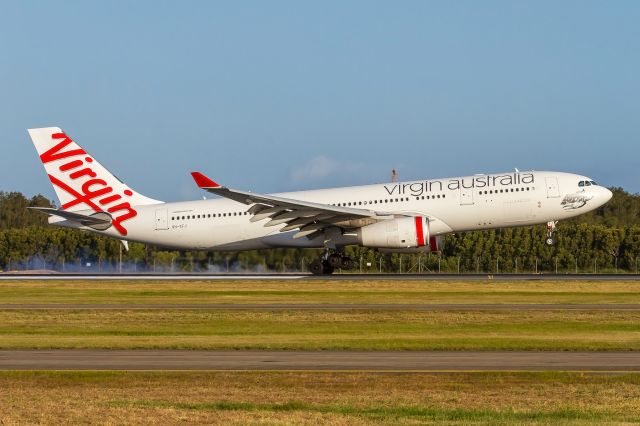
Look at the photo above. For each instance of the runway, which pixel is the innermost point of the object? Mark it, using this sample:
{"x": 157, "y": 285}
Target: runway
{"x": 294, "y": 276}
{"x": 322, "y": 307}
{"x": 317, "y": 360}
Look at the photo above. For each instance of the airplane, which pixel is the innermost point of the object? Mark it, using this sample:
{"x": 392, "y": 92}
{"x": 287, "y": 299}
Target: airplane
{"x": 405, "y": 217}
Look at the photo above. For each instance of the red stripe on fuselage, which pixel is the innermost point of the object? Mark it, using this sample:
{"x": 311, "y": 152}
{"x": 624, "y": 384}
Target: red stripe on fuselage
{"x": 419, "y": 231}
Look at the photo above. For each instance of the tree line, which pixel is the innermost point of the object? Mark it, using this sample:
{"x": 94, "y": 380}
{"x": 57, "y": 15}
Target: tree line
{"x": 604, "y": 240}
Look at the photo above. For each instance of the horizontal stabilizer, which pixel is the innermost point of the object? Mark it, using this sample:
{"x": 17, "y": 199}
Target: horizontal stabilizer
{"x": 77, "y": 217}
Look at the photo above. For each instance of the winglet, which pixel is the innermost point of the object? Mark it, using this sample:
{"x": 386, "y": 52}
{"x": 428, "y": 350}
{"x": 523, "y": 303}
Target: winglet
{"x": 202, "y": 181}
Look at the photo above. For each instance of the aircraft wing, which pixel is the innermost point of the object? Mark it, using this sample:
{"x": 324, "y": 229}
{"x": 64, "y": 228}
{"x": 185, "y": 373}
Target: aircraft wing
{"x": 307, "y": 217}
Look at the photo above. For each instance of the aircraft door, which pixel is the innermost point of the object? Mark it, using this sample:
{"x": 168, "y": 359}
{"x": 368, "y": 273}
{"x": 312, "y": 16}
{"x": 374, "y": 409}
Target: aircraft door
{"x": 553, "y": 191}
{"x": 162, "y": 219}
{"x": 466, "y": 196}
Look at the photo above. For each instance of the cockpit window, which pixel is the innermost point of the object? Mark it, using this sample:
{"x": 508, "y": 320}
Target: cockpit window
{"x": 581, "y": 183}
{"x": 587, "y": 183}
{"x": 593, "y": 183}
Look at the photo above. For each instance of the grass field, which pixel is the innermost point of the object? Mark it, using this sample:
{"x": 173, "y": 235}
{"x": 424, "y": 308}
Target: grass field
{"x": 294, "y": 291}
{"x": 301, "y": 329}
{"x": 312, "y": 398}
{"x": 340, "y": 398}
{"x": 196, "y": 329}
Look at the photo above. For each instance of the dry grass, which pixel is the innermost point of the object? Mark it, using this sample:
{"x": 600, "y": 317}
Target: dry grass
{"x": 292, "y": 291}
{"x": 375, "y": 330}
{"x": 313, "y": 398}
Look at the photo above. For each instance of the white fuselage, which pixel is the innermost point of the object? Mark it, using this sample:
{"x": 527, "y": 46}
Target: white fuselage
{"x": 453, "y": 204}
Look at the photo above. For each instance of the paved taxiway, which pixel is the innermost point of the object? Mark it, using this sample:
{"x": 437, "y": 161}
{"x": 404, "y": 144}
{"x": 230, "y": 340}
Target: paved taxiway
{"x": 357, "y": 277}
{"x": 317, "y": 360}
{"x": 324, "y": 307}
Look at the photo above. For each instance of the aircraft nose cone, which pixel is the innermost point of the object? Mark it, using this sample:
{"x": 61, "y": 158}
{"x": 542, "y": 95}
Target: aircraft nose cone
{"x": 606, "y": 195}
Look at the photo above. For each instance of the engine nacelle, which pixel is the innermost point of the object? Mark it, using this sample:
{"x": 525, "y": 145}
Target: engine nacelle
{"x": 402, "y": 233}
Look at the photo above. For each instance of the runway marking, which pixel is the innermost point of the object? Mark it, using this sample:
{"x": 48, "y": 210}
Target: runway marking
{"x": 252, "y": 360}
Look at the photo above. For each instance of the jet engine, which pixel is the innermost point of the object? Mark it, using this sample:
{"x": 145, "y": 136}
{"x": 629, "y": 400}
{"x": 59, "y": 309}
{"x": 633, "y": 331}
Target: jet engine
{"x": 400, "y": 234}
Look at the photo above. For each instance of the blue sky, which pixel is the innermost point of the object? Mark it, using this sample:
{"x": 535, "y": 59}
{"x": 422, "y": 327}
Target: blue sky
{"x": 274, "y": 96}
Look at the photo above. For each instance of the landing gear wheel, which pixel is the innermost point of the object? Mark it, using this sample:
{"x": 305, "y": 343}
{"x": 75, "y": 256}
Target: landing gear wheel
{"x": 320, "y": 267}
{"x": 550, "y": 241}
{"x": 335, "y": 260}
{"x": 327, "y": 269}
{"x": 347, "y": 263}
{"x": 316, "y": 267}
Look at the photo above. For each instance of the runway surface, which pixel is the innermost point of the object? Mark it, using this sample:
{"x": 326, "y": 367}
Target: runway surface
{"x": 325, "y": 307}
{"x": 357, "y": 277}
{"x": 317, "y": 360}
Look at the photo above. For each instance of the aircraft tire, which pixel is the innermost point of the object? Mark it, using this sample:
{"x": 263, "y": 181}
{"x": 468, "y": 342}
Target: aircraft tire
{"x": 316, "y": 267}
{"x": 334, "y": 261}
{"x": 347, "y": 263}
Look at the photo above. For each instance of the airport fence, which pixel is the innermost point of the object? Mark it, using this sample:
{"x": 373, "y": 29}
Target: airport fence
{"x": 579, "y": 249}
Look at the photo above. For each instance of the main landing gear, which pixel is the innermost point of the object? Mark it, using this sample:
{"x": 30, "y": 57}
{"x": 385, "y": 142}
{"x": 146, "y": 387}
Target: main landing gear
{"x": 551, "y": 227}
{"x": 330, "y": 262}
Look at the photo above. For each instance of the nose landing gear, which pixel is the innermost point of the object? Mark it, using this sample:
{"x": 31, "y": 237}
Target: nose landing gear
{"x": 551, "y": 227}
